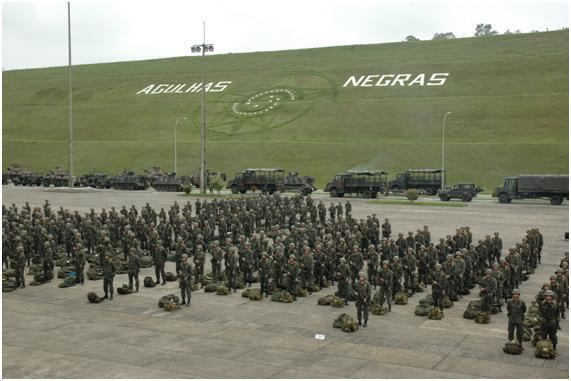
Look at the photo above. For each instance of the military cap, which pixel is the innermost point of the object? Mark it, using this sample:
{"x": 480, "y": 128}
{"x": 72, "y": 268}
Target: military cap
{"x": 185, "y": 256}
{"x": 488, "y": 271}
{"x": 558, "y": 271}
{"x": 342, "y": 260}
{"x": 396, "y": 258}
{"x": 496, "y": 233}
{"x": 549, "y": 293}
{"x": 438, "y": 266}
{"x": 515, "y": 291}
{"x": 291, "y": 256}
{"x": 449, "y": 256}
{"x": 385, "y": 262}
{"x": 495, "y": 264}
{"x": 361, "y": 274}
{"x": 552, "y": 277}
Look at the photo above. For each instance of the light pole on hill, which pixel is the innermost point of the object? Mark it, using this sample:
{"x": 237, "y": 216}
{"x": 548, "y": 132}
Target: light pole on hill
{"x": 176, "y": 124}
{"x": 443, "y": 126}
{"x": 203, "y": 48}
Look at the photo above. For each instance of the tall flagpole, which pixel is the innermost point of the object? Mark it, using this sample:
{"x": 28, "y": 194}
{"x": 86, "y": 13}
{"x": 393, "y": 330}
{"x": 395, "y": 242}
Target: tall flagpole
{"x": 70, "y": 138}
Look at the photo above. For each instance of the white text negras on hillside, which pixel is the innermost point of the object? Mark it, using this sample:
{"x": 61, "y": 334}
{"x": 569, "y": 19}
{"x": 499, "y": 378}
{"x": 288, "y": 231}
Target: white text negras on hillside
{"x": 391, "y": 80}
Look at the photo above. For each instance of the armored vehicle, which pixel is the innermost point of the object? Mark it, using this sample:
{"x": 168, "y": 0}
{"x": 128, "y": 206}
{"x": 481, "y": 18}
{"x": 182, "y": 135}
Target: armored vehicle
{"x": 465, "y": 192}
{"x": 128, "y": 180}
{"x": 366, "y": 184}
{"x": 553, "y": 187}
{"x": 426, "y": 180}
{"x": 95, "y": 180}
{"x": 57, "y": 178}
{"x": 302, "y": 184}
{"x": 18, "y": 176}
{"x": 264, "y": 179}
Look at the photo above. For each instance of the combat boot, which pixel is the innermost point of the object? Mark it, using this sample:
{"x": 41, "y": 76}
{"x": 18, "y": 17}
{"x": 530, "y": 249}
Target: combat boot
{"x": 164, "y": 282}
{"x": 183, "y": 302}
{"x": 359, "y": 321}
{"x": 111, "y": 297}
{"x": 158, "y": 282}
{"x": 137, "y": 288}
{"x": 389, "y": 308}
{"x": 188, "y": 303}
{"x": 105, "y": 297}
{"x": 365, "y": 324}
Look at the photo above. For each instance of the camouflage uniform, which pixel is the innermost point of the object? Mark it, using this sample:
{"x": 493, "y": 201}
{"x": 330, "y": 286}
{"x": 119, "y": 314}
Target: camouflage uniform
{"x": 516, "y": 311}
{"x": 109, "y": 271}
{"x": 363, "y": 299}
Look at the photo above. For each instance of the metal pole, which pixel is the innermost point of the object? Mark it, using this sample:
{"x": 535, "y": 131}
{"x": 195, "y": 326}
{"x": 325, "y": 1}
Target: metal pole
{"x": 175, "y": 125}
{"x": 70, "y": 138}
{"x": 203, "y": 129}
{"x": 442, "y": 174}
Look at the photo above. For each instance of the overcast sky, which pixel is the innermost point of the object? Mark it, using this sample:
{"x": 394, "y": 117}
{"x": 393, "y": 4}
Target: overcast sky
{"x": 34, "y": 33}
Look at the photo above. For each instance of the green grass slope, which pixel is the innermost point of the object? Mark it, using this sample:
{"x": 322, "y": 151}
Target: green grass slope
{"x": 508, "y": 95}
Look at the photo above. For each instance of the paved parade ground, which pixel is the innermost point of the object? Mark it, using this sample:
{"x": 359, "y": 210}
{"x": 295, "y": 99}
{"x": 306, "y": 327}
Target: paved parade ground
{"x": 50, "y": 332}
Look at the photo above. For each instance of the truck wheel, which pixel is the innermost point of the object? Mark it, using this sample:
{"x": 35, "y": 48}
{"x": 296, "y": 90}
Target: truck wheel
{"x": 375, "y": 194}
{"x": 504, "y": 198}
{"x": 367, "y": 194}
{"x": 556, "y": 200}
{"x": 444, "y": 197}
{"x": 466, "y": 197}
{"x": 234, "y": 189}
{"x": 243, "y": 191}
{"x": 429, "y": 192}
{"x": 333, "y": 192}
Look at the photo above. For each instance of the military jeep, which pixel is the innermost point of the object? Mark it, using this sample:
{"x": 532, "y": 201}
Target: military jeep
{"x": 464, "y": 192}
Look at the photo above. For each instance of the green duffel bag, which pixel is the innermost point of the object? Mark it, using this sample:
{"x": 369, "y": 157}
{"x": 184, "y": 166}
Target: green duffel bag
{"x": 544, "y": 349}
{"x": 435, "y": 313}
{"x": 422, "y": 310}
{"x": 513, "y": 348}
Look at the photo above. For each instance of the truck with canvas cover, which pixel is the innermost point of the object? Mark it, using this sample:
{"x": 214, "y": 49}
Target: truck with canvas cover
{"x": 553, "y": 187}
{"x": 367, "y": 184}
{"x": 428, "y": 181}
{"x": 267, "y": 180}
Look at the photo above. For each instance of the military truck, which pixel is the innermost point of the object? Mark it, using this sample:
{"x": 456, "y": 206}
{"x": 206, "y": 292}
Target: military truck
{"x": 268, "y": 180}
{"x": 57, "y": 178}
{"x": 553, "y": 187}
{"x": 367, "y": 184}
{"x": 465, "y": 192}
{"x": 302, "y": 184}
{"x": 426, "y": 180}
{"x": 128, "y": 180}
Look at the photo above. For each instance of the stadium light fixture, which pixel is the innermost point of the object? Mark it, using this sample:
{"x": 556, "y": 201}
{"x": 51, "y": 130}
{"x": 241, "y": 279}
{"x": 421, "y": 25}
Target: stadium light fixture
{"x": 442, "y": 177}
{"x": 203, "y": 48}
{"x": 175, "y": 125}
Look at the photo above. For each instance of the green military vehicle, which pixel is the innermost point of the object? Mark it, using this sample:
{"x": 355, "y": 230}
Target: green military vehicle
{"x": 367, "y": 184}
{"x": 429, "y": 181}
{"x": 128, "y": 180}
{"x": 465, "y": 192}
{"x": 553, "y": 187}
{"x": 194, "y": 179}
{"x": 268, "y": 180}
{"x": 57, "y": 178}
{"x": 302, "y": 184}
{"x": 96, "y": 180}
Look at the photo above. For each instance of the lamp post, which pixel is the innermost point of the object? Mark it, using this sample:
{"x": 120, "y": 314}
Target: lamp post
{"x": 203, "y": 48}
{"x": 70, "y": 148}
{"x": 443, "y": 126}
{"x": 175, "y": 124}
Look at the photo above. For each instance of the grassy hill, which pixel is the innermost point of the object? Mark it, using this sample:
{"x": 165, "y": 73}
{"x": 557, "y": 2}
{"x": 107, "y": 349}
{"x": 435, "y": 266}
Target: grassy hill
{"x": 508, "y": 96}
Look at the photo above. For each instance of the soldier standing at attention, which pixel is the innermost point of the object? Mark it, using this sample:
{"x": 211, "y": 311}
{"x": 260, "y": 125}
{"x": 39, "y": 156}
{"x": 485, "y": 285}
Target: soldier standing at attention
{"x": 386, "y": 283}
{"x": 108, "y": 275}
{"x": 307, "y": 265}
{"x": 291, "y": 270}
{"x": 438, "y": 286}
{"x": 516, "y": 310}
{"x": 159, "y": 259}
{"x": 488, "y": 287}
{"x": 386, "y": 227}
{"x": 363, "y": 294}
{"x": 79, "y": 257}
{"x": 549, "y": 313}
{"x": 20, "y": 260}
{"x": 185, "y": 275}
{"x": 133, "y": 269}
{"x": 265, "y": 268}
{"x": 232, "y": 267}
{"x": 342, "y": 276}
{"x": 48, "y": 262}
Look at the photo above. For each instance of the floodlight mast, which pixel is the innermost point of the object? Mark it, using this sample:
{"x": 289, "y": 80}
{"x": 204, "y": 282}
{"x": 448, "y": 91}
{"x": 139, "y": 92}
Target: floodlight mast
{"x": 203, "y": 48}
{"x": 70, "y": 150}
